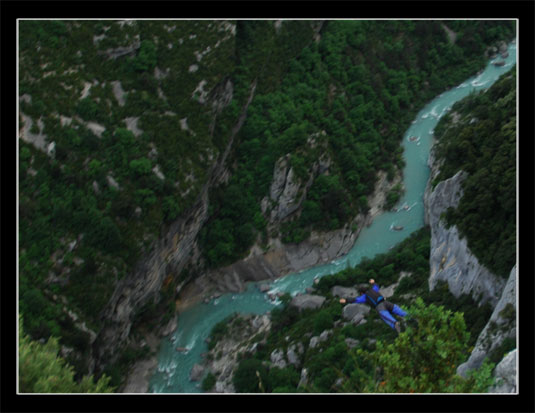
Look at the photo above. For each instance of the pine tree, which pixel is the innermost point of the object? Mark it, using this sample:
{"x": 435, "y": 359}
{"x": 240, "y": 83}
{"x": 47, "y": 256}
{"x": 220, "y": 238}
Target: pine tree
{"x": 41, "y": 370}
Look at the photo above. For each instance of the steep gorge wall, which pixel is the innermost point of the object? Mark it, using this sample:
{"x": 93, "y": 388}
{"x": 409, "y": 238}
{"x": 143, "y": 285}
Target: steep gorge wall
{"x": 281, "y": 259}
{"x": 169, "y": 255}
{"x": 451, "y": 260}
{"x": 501, "y": 325}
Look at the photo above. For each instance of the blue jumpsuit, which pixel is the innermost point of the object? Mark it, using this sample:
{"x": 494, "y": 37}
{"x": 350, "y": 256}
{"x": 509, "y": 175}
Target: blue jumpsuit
{"x": 383, "y": 307}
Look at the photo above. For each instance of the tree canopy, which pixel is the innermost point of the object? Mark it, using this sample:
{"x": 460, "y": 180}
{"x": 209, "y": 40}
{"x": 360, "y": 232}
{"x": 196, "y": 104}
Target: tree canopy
{"x": 42, "y": 370}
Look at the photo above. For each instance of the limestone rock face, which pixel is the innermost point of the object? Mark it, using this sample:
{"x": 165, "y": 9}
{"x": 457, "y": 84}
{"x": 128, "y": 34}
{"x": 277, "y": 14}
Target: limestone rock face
{"x": 122, "y": 51}
{"x": 303, "y": 381}
{"x": 505, "y": 374}
{"x": 450, "y": 258}
{"x": 277, "y": 358}
{"x": 344, "y": 292}
{"x": 306, "y": 301}
{"x": 314, "y": 341}
{"x": 196, "y": 372}
{"x": 283, "y": 191}
{"x": 223, "y": 359}
{"x": 171, "y": 326}
{"x": 293, "y": 353}
{"x": 355, "y": 312}
{"x": 451, "y": 261}
{"x": 501, "y": 325}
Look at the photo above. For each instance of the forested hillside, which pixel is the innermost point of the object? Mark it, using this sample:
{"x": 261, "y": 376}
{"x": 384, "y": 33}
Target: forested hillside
{"x": 122, "y": 122}
{"x": 479, "y": 137}
{"x": 349, "y": 98}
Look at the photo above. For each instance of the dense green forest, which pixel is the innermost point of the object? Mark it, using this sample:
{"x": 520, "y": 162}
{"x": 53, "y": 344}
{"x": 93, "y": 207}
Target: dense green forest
{"x": 93, "y": 205}
{"x": 482, "y": 142}
{"x": 332, "y": 366}
{"x": 351, "y": 96}
{"x": 130, "y": 116}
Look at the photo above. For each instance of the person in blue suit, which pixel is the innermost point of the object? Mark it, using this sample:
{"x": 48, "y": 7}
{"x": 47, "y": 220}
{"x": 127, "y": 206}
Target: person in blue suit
{"x": 373, "y": 297}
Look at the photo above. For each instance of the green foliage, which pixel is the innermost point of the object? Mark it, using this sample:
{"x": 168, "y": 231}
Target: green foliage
{"x": 140, "y": 167}
{"x": 228, "y": 236}
{"x": 483, "y": 144}
{"x": 209, "y": 382}
{"x": 118, "y": 370}
{"x": 146, "y": 58}
{"x": 41, "y": 370}
{"x": 322, "y": 321}
{"x": 449, "y": 326}
{"x": 360, "y": 86}
{"x": 393, "y": 196}
{"x": 284, "y": 316}
{"x": 87, "y": 109}
{"x": 104, "y": 233}
{"x": 424, "y": 359}
{"x": 476, "y": 315}
{"x": 219, "y": 331}
{"x": 171, "y": 208}
{"x": 501, "y": 351}
{"x": 251, "y": 376}
{"x": 283, "y": 380}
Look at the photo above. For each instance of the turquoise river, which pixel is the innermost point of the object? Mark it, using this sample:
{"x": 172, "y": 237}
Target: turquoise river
{"x": 195, "y": 323}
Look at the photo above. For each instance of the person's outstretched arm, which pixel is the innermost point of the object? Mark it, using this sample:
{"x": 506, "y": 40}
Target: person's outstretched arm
{"x": 358, "y": 300}
{"x": 375, "y": 286}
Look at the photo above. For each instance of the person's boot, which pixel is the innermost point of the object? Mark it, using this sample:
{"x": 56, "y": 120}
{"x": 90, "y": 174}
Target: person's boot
{"x": 397, "y": 326}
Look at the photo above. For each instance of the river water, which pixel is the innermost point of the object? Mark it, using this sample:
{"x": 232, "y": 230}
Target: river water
{"x": 195, "y": 323}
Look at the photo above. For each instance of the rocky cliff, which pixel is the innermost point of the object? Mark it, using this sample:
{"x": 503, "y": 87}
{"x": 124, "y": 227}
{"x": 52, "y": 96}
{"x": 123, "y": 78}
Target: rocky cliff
{"x": 451, "y": 261}
{"x": 169, "y": 256}
{"x": 279, "y": 259}
{"x": 501, "y": 326}
{"x": 450, "y": 258}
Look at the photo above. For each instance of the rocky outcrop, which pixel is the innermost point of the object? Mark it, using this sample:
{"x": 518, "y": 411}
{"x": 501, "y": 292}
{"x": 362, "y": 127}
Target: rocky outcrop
{"x": 314, "y": 341}
{"x": 39, "y": 139}
{"x": 114, "y": 53}
{"x": 294, "y": 353}
{"x": 501, "y": 325}
{"x": 277, "y": 358}
{"x": 137, "y": 380}
{"x": 284, "y": 191}
{"x": 344, "y": 292}
{"x": 452, "y": 36}
{"x": 505, "y": 374}
{"x": 223, "y": 359}
{"x": 450, "y": 258}
{"x": 288, "y": 191}
{"x": 196, "y": 373}
{"x": 355, "y": 313}
{"x": 452, "y": 261}
{"x": 168, "y": 256}
{"x": 279, "y": 259}
{"x": 307, "y": 301}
